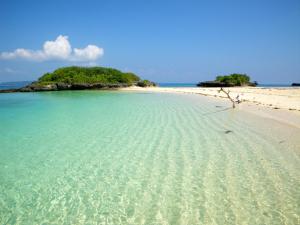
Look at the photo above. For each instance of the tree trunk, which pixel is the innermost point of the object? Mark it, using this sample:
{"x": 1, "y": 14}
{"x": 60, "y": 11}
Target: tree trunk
{"x": 228, "y": 96}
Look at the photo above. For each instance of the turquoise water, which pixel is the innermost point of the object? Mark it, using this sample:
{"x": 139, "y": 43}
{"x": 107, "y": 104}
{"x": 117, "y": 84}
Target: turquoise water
{"x": 19, "y": 84}
{"x": 92, "y": 157}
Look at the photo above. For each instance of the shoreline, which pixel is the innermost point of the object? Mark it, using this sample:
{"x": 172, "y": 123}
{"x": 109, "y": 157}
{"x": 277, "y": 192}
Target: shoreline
{"x": 279, "y": 104}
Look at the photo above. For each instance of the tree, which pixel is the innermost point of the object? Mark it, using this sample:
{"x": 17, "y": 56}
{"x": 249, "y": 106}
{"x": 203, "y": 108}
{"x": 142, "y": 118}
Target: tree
{"x": 234, "y": 79}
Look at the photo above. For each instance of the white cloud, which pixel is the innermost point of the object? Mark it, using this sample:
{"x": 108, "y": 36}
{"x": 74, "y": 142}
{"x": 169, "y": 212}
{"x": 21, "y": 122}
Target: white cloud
{"x": 22, "y": 53}
{"x": 59, "y": 49}
{"x": 91, "y": 52}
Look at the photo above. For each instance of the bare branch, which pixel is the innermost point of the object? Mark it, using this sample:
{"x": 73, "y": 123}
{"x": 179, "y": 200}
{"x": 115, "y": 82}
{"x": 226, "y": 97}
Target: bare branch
{"x": 228, "y": 96}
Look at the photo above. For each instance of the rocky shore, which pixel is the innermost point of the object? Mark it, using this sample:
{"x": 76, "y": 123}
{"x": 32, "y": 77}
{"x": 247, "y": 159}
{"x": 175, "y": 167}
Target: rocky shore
{"x": 37, "y": 87}
{"x": 223, "y": 84}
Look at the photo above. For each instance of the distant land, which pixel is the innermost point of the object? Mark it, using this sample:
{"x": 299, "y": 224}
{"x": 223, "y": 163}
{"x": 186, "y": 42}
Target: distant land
{"x": 232, "y": 80}
{"x": 13, "y": 84}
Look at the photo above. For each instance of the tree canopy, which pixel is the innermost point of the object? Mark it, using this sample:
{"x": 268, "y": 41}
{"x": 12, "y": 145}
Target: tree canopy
{"x": 145, "y": 83}
{"x": 234, "y": 79}
{"x": 230, "y": 80}
{"x": 88, "y": 75}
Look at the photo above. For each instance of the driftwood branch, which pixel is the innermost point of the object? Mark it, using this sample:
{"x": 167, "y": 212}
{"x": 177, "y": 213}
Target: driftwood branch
{"x": 228, "y": 96}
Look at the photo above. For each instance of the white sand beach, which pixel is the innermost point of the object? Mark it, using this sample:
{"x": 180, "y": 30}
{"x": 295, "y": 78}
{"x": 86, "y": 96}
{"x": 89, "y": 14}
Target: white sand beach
{"x": 281, "y": 104}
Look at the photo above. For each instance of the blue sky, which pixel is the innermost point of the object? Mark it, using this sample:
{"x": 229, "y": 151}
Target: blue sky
{"x": 164, "y": 41}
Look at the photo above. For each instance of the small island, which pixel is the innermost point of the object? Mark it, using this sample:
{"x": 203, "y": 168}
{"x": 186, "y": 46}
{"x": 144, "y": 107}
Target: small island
{"x": 295, "y": 84}
{"x": 232, "y": 80}
{"x": 81, "y": 78}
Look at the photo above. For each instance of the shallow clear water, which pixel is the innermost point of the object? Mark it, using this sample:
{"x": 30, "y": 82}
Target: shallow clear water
{"x": 92, "y": 157}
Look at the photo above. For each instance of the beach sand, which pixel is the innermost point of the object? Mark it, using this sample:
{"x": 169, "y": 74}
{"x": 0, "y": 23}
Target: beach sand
{"x": 281, "y": 104}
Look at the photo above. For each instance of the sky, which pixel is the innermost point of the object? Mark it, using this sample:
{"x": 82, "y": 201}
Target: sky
{"x": 163, "y": 41}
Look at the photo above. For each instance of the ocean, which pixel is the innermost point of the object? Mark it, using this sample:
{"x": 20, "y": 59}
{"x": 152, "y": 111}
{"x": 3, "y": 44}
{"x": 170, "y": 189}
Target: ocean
{"x": 19, "y": 84}
{"x": 108, "y": 157}
{"x": 13, "y": 85}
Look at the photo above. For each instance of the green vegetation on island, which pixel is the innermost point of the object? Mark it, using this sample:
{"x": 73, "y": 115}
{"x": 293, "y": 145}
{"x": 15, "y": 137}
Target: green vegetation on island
{"x": 145, "y": 83}
{"x": 80, "y": 78}
{"x": 88, "y": 75}
{"x": 231, "y": 80}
